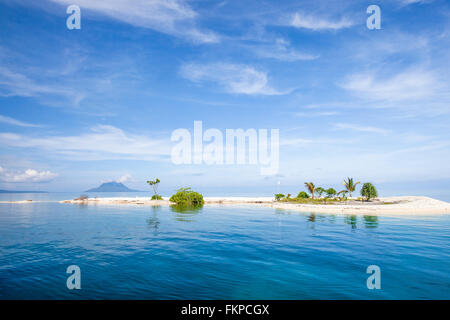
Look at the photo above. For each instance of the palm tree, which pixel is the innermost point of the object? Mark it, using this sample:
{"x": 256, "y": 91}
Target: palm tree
{"x": 350, "y": 185}
{"x": 311, "y": 188}
{"x": 343, "y": 193}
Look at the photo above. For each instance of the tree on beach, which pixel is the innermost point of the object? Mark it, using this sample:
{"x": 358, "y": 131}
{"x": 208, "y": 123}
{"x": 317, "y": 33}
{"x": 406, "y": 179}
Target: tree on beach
{"x": 343, "y": 193}
{"x": 319, "y": 191}
{"x": 368, "y": 191}
{"x": 330, "y": 192}
{"x": 279, "y": 196}
{"x": 155, "y": 185}
{"x": 302, "y": 195}
{"x": 311, "y": 188}
{"x": 350, "y": 185}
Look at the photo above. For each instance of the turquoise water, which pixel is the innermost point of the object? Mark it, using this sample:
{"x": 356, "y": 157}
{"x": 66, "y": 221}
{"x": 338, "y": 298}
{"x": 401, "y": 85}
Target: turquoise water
{"x": 218, "y": 252}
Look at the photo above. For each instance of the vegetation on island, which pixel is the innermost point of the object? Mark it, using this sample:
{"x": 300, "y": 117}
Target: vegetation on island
{"x": 320, "y": 195}
{"x": 279, "y": 196}
{"x": 187, "y": 197}
{"x": 311, "y": 188}
{"x": 368, "y": 191}
{"x": 350, "y": 185}
{"x": 155, "y": 185}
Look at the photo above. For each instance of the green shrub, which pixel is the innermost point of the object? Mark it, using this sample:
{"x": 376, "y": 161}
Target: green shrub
{"x": 330, "y": 192}
{"x": 156, "y": 197}
{"x": 303, "y": 195}
{"x": 368, "y": 191}
{"x": 319, "y": 191}
{"x": 279, "y": 196}
{"x": 187, "y": 197}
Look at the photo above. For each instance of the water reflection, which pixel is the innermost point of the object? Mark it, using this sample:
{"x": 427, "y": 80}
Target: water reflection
{"x": 371, "y": 221}
{"x": 185, "y": 213}
{"x": 351, "y": 220}
{"x": 153, "y": 222}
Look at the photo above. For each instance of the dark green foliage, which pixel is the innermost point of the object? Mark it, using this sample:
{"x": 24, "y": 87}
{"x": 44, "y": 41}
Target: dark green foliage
{"x": 279, "y": 196}
{"x": 156, "y": 197}
{"x": 187, "y": 197}
{"x": 302, "y": 195}
{"x": 368, "y": 191}
{"x": 330, "y": 192}
{"x": 319, "y": 191}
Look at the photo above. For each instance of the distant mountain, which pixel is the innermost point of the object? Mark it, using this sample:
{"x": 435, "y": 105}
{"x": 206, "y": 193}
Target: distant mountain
{"x": 112, "y": 187}
{"x": 11, "y": 191}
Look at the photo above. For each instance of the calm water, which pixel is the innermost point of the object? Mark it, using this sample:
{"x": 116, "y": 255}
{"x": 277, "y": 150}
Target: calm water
{"x": 134, "y": 252}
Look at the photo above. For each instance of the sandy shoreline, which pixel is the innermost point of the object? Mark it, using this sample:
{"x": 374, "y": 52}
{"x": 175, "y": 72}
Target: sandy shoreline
{"x": 410, "y": 205}
{"x": 404, "y": 205}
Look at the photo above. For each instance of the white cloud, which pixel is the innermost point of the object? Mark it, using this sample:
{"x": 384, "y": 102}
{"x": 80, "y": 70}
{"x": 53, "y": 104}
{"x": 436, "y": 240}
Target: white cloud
{"x": 316, "y": 114}
{"x": 29, "y": 175}
{"x": 14, "y": 83}
{"x": 408, "y": 2}
{"x": 355, "y": 127}
{"x": 234, "y": 78}
{"x": 101, "y": 143}
{"x": 406, "y": 85}
{"x": 281, "y": 50}
{"x": 126, "y": 177}
{"x": 307, "y": 21}
{"x": 174, "y": 17}
{"x": 16, "y": 122}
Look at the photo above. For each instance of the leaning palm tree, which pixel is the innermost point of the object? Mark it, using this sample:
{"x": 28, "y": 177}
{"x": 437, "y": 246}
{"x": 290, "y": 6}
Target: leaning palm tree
{"x": 311, "y": 188}
{"x": 342, "y": 194}
{"x": 350, "y": 185}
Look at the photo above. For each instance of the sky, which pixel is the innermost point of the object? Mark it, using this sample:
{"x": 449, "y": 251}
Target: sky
{"x": 82, "y": 107}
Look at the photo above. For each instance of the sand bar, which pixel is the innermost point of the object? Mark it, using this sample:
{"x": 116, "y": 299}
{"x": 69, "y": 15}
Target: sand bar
{"x": 410, "y": 205}
{"x": 403, "y": 205}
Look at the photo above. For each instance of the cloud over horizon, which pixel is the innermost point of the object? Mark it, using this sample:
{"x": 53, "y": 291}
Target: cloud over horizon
{"x": 29, "y": 175}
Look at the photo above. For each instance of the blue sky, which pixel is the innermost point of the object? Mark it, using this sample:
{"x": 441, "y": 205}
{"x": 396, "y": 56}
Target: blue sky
{"x": 80, "y": 107}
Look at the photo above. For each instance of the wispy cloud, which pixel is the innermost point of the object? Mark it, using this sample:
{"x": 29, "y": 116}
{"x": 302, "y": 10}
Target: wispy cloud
{"x": 15, "y": 122}
{"x": 234, "y": 78}
{"x": 173, "y": 17}
{"x": 29, "y": 175}
{"x": 316, "y": 23}
{"x": 406, "y": 85}
{"x": 14, "y": 83}
{"x": 408, "y": 2}
{"x": 125, "y": 178}
{"x": 316, "y": 114}
{"x": 355, "y": 127}
{"x": 281, "y": 50}
{"x": 101, "y": 143}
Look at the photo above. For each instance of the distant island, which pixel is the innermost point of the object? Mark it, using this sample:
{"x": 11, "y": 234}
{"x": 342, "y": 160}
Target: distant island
{"x": 112, "y": 187}
{"x": 12, "y": 191}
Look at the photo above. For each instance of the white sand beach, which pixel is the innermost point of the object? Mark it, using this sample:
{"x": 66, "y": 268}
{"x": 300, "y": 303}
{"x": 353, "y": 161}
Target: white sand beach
{"x": 403, "y": 205}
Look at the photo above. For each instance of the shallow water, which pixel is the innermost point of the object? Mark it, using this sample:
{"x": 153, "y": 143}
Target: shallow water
{"x": 218, "y": 252}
